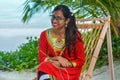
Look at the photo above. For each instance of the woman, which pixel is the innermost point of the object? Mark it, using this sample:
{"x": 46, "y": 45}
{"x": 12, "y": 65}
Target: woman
{"x": 61, "y": 50}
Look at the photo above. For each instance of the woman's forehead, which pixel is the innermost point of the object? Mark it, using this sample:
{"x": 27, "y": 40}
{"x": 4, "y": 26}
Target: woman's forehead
{"x": 58, "y": 13}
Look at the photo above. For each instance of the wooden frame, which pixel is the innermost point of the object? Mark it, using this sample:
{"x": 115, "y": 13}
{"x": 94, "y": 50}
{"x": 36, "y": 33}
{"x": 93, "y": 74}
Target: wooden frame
{"x": 105, "y": 30}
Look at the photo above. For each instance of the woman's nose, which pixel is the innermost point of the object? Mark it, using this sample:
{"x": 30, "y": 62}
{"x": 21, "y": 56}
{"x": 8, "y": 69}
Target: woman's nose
{"x": 54, "y": 20}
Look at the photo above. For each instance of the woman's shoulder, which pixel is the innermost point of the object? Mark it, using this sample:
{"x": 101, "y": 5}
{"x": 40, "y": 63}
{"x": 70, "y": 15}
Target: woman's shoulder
{"x": 79, "y": 37}
{"x": 79, "y": 34}
{"x": 45, "y": 31}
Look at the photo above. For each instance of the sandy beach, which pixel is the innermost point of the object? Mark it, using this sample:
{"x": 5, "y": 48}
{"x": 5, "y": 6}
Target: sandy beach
{"x": 104, "y": 74}
{"x": 99, "y": 74}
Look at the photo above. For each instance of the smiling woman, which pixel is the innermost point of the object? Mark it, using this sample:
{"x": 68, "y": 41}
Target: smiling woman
{"x": 61, "y": 50}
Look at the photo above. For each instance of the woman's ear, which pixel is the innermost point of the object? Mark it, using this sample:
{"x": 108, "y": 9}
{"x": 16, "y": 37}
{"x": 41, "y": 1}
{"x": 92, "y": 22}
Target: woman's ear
{"x": 68, "y": 20}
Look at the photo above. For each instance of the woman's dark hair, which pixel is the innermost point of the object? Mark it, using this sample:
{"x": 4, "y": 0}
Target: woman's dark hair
{"x": 71, "y": 32}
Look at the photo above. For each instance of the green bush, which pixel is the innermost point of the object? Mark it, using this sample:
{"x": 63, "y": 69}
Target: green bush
{"x": 116, "y": 47}
{"x": 23, "y": 58}
{"x": 103, "y": 56}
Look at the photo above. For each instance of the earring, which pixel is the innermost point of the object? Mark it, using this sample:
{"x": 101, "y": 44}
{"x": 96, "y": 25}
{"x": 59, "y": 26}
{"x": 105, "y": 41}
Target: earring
{"x": 66, "y": 25}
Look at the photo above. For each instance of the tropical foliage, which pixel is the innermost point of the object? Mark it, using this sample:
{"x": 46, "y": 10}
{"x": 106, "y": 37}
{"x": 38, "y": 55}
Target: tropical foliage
{"x": 26, "y": 56}
{"x": 103, "y": 56}
{"x": 23, "y": 58}
{"x": 82, "y": 9}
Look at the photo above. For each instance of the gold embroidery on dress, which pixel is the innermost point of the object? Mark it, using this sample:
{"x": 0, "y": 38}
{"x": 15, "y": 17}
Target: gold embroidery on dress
{"x": 56, "y": 43}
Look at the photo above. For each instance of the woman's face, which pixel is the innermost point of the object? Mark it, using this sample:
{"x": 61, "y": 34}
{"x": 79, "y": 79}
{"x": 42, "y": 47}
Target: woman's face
{"x": 58, "y": 20}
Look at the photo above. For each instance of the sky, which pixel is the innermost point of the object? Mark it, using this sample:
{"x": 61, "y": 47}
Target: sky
{"x": 11, "y": 12}
{"x": 12, "y": 31}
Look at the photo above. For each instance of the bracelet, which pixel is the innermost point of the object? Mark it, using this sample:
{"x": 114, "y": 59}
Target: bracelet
{"x": 73, "y": 64}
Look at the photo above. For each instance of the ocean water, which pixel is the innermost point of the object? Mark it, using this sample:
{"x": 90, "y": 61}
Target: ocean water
{"x": 13, "y": 31}
{"x": 10, "y": 39}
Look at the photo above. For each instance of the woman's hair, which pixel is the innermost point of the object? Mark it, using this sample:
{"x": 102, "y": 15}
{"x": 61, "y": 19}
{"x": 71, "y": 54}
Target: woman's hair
{"x": 71, "y": 32}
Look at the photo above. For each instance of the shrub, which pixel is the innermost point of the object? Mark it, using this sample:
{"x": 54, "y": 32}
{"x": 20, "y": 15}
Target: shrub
{"x": 23, "y": 58}
{"x": 103, "y": 56}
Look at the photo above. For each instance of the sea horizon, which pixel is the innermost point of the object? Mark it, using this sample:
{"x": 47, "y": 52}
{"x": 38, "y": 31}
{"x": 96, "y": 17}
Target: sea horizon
{"x": 13, "y": 31}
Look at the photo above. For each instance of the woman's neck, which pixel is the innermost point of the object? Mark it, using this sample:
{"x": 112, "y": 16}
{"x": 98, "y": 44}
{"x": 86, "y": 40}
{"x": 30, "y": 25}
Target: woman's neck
{"x": 60, "y": 33}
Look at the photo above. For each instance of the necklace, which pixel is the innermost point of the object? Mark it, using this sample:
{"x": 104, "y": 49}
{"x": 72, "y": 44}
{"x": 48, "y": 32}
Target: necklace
{"x": 58, "y": 44}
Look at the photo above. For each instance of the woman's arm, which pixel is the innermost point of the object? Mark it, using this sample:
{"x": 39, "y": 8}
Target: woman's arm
{"x": 80, "y": 55}
{"x": 63, "y": 62}
{"x": 42, "y": 50}
{"x": 77, "y": 61}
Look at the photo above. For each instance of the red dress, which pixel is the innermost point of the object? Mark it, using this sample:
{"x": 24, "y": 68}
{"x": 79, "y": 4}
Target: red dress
{"x": 46, "y": 49}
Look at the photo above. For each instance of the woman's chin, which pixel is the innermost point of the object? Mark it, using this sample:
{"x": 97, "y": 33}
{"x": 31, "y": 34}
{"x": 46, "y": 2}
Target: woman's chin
{"x": 55, "y": 27}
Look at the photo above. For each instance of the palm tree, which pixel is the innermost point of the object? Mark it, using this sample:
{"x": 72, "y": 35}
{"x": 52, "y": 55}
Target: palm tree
{"x": 81, "y": 8}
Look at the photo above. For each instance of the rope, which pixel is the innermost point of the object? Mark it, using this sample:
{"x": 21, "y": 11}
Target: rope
{"x": 91, "y": 35}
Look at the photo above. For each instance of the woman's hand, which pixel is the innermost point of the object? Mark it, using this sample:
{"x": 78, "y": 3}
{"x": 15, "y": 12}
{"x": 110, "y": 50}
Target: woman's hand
{"x": 63, "y": 61}
{"x": 54, "y": 62}
{"x": 60, "y": 61}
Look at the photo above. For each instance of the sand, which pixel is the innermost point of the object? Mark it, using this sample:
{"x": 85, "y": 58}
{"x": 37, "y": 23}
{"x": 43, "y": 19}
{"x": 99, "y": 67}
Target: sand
{"x": 99, "y": 74}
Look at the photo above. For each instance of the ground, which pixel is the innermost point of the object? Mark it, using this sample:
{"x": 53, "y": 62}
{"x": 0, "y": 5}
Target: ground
{"x": 99, "y": 74}
{"x": 104, "y": 74}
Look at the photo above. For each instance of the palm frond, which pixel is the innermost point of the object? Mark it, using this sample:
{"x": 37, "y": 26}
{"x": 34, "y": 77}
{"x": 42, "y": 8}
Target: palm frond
{"x": 82, "y": 8}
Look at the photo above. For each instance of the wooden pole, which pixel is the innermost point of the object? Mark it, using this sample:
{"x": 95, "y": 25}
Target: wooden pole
{"x": 110, "y": 56}
{"x": 97, "y": 50}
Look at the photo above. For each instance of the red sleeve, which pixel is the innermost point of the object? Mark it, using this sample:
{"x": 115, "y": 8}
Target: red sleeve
{"x": 80, "y": 56}
{"x": 42, "y": 52}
